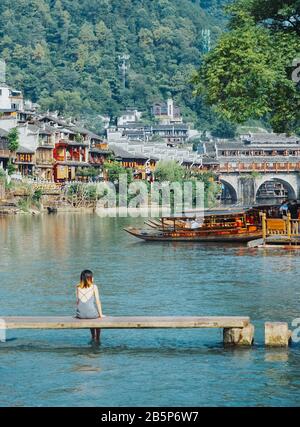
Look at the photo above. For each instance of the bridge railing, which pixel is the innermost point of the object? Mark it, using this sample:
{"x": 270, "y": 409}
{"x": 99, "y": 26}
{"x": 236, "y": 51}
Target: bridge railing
{"x": 260, "y": 167}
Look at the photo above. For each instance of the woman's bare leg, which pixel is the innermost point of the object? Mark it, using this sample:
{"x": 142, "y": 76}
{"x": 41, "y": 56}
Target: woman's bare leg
{"x": 93, "y": 333}
{"x": 97, "y": 334}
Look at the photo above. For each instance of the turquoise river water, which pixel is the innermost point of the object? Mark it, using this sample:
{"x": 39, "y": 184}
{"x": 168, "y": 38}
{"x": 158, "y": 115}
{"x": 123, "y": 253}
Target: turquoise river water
{"x": 40, "y": 261}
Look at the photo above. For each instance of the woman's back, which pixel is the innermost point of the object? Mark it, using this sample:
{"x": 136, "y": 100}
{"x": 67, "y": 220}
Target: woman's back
{"x": 86, "y": 302}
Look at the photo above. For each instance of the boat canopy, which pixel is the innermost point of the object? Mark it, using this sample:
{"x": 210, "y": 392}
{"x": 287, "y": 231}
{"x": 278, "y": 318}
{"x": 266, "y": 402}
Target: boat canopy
{"x": 210, "y": 213}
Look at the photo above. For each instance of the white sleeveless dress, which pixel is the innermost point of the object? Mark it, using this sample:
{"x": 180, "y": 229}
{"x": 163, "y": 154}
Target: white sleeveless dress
{"x": 86, "y": 303}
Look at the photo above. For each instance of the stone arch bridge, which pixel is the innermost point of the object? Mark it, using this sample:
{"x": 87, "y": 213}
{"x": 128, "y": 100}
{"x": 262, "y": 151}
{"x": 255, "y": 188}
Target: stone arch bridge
{"x": 243, "y": 188}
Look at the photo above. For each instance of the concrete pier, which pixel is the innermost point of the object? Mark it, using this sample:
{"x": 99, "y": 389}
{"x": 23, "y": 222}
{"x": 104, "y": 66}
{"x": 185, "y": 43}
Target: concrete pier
{"x": 237, "y": 336}
{"x": 277, "y": 334}
{"x": 237, "y": 330}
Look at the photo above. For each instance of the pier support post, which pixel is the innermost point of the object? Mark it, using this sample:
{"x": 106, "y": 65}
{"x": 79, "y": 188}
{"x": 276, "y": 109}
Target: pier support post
{"x": 2, "y": 331}
{"x": 277, "y": 334}
{"x": 239, "y": 336}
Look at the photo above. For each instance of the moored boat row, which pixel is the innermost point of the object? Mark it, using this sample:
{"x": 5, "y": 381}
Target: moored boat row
{"x": 235, "y": 225}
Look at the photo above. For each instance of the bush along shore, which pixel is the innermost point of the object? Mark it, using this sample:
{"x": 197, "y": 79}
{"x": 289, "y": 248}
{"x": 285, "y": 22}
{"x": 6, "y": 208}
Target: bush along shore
{"x": 33, "y": 198}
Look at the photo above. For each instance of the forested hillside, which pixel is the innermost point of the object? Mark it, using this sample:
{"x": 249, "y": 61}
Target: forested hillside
{"x": 65, "y": 54}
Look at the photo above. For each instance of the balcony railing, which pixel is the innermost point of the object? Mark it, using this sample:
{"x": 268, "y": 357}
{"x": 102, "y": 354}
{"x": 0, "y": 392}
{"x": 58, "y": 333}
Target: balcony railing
{"x": 96, "y": 161}
{"x": 43, "y": 143}
{"x": 70, "y": 142}
{"x": 49, "y": 162}
{"x": 70, "y": 159}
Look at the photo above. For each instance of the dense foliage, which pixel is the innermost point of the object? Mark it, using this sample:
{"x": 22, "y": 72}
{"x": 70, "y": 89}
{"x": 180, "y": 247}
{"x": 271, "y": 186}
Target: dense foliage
{"x": 13, "y": 140}
{"x": 114, "y": 170}
{"x": 65, "y": 54}
{"x": 170, "y": 171}
{"x": 249, "y": 73}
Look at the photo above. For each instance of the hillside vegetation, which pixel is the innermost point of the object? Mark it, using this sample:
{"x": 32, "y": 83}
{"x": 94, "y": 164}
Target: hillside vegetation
{"x": 64, "y": 54}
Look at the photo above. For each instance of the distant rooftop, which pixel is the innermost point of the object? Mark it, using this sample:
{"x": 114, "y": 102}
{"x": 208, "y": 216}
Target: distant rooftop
{"x": 272, "y": 138}
{"x": 124, "y": 154}
{"x": 24, "y": 150}
{"x": 3, "y": 133}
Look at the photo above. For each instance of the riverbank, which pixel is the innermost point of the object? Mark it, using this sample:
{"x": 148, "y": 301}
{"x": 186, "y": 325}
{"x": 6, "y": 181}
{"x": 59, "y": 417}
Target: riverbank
{"x": 12, "y": 209}
{"x": 35, "y": 198}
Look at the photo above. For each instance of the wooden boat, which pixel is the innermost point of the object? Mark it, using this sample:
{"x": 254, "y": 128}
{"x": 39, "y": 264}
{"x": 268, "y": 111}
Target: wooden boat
{"x": 51, "y": 210}
{"x": 231, "y": 226}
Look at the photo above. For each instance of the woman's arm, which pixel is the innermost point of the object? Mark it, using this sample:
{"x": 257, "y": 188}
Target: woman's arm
{"x": 77, "y": 299}
{"x": 98, "y": 302}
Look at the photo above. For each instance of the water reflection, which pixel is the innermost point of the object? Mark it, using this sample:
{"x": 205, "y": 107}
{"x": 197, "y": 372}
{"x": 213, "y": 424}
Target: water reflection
{"x": 277, "y": 355}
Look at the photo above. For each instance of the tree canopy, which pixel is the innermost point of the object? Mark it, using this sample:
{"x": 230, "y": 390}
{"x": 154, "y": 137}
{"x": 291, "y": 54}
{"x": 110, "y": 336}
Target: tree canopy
{"x": 13, "y": 140}
{"x": 248, "y": 75}
{"x": 169, "y": 171}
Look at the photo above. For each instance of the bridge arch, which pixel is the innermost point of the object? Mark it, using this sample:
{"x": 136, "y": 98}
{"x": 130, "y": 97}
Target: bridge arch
{"x": 229, "y": 193}
{"x": 281, "y": 187}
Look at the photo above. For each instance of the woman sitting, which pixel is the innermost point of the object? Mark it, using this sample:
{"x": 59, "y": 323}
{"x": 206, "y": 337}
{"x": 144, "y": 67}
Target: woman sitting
{"x": 88, "y": 301}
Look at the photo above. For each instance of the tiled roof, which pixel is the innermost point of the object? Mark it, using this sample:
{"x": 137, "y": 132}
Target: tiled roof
{"x": 8, "y": 110}
{"x": 124, "y": 154}
{"x": 273, "y": 138}
{"x": 99, "y": 151}
{"x": 169, "y": 127}
{"x": 3, "y": 133}
{"x": 72, "y": 163}
{"x": 47, "y": 146}
{"x": 3, "y": 145}
{"x": 52, "y": 119}
{"x": 45, "y": 132}
{"x": 133, "y": 126}
{"x": 31, "y": 128}
{"x": 210, "y": 161}
{"x": 24, "y": 150}
{"x": 68, "y": 131}
{"x": 46, "y": 129}
{"x": 210, "y": 147}
{"x": 233, "y": 145}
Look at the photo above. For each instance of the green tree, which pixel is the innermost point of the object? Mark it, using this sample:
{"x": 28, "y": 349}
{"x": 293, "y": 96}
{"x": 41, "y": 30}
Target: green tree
{"x": 13, "y": 140}
{"x": 248, "y": 74}
{"x": 223, "y": 129}
{"x": 169, "y": 170}
{"x": 11, "y": 168}
{"x": 115, "y": 169}
{"x": 78, "y": 138}
{"x": 2, "y": 175}
{"x": 13, "y": 145}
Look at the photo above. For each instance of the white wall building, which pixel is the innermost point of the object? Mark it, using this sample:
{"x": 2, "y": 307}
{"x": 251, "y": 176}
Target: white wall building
{"x": 129, "y": 116}
{"x": 8, "y": 122}
{"x": 105, "y": 120}
{"x": 29, "y": 136}
{"x": 10, "y": 99}
{"x": 5, "y": 101}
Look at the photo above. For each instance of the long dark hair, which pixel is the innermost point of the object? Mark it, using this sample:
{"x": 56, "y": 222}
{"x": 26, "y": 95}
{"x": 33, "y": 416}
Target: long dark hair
{"x": 86, "y": 279}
